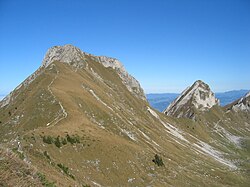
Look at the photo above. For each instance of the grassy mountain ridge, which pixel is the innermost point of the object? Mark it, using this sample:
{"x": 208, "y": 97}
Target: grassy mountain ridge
{"x": 82, "y": 126}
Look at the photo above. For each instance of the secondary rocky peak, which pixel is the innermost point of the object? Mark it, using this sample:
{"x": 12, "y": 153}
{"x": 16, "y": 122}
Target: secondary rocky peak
{"x": 200, "y": 83}
{"x": 197, "y": 97}
{"x": 243, "y": 104}
{"x": 67, "y": 54}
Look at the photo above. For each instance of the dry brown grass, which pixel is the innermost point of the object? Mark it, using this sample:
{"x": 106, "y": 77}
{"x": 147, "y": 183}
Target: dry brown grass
{"x": 16, "y": 172}
{"x": 105, "y": 154}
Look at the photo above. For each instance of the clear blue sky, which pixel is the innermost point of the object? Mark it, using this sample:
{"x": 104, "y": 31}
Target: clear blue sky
{"x": 165, "y": 44}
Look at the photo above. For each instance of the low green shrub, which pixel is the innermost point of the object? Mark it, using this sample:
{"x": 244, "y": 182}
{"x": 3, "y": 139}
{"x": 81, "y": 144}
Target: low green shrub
{"x": 44, "y": 181}
{"x": 65, "y": 169}
{"x": 45, "y": 153}
{"x": 48, "y": 139}
{"x": 73, "y": 139}
{"x": 60, "y": 141}
{"x": 57, "y": 142}
{"x": 158, "y": 160}
{"x": 64, "y": 141}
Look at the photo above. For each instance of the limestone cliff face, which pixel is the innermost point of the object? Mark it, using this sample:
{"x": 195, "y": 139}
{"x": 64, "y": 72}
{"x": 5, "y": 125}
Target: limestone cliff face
{"x": 67, "y": 54}
{"x": 129, "y": 81}
{"x": 197, "y": 97}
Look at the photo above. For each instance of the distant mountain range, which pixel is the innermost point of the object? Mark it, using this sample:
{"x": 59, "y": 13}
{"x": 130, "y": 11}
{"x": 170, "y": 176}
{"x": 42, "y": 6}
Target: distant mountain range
{"x": 160, "y": 101}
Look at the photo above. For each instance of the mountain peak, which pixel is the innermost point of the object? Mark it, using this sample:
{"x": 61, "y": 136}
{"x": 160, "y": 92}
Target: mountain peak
{"x": 199, "y": 82}
{"x": 197, "y": 97}
{"x": 73, "y": 56}
{"x": 67, "y": 54}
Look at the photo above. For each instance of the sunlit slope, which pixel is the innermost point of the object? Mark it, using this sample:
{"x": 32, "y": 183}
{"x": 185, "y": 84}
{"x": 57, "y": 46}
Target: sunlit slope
{"x": 82, "y": 125}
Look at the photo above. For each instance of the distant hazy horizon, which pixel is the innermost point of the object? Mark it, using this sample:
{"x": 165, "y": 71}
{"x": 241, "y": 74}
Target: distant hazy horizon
{"x": 184, "y": 89}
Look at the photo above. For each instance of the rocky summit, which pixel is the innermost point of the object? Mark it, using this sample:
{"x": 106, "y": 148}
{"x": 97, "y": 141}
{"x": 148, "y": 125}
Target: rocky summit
{"x": 198, "y": 97}
{"x": 83, "y": 120}
{"x": 74, "y": 56}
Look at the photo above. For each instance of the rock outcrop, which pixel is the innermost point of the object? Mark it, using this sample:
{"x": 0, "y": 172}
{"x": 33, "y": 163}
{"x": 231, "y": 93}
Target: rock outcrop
{"x": 73, "y": 56}
{"x": 67, "y": 54}
{"x": 198, "y": 97}
{"x": 243, "y": 104}
{"x": 129, "y": 81}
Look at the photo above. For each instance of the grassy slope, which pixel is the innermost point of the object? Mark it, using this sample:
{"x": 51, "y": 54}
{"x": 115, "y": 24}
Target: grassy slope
{"x": 105, "y": 153}
{"x": 15, "y": 171}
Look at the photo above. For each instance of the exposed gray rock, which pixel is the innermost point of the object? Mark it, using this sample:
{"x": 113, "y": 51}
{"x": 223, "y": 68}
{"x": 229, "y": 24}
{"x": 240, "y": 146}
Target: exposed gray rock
{"x": 197, "y": 97}
{"x": 67, "y": 54}
{"x": 6, "y": 100}
{"x": 74, "y": 56}
{"x": 129, "y": 81}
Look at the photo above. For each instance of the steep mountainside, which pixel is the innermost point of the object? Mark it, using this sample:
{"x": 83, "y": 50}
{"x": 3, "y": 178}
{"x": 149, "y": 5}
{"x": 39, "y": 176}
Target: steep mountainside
{"x": 15, "y": 172}
{"x": 196, "y": 98}
{"x": 83, "y": 120}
